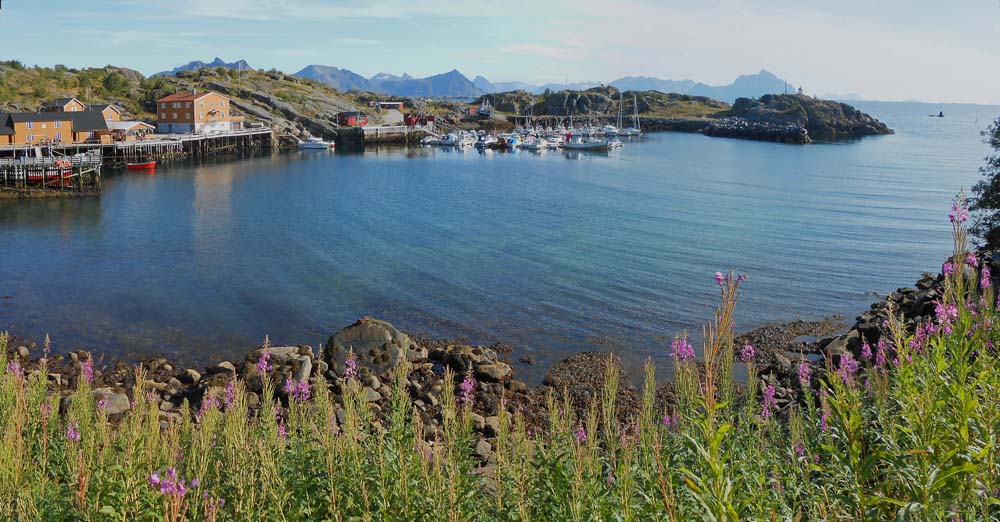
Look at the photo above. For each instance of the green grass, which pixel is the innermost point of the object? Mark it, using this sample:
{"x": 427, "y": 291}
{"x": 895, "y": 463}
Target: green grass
{"x": 911, "y": 439}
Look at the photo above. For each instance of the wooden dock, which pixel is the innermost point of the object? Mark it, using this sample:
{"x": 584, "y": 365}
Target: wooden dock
{"x": 51, "y": 176}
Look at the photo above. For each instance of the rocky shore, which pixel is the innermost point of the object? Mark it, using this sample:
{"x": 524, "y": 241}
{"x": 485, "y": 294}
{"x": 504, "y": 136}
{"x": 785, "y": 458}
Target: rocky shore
{"x": 377, "y": 349}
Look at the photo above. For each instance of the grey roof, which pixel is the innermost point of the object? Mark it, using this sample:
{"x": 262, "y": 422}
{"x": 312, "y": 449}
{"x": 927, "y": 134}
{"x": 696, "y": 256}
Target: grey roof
{"x": 59, "y": 102}
{"x": 6, "y": 127}
{"x": 21, "y": 117}
{"x": 88, "y": 121}
{"x": 102, "y": 106}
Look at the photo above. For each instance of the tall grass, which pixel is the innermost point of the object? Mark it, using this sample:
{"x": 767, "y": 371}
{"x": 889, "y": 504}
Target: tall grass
{"x": 906, "y": 430}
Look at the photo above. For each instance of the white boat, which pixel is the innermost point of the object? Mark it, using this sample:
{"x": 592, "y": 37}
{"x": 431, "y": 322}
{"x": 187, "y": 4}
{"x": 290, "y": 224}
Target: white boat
{"x": 578, "y": 143}
{"x": 314, "y": 143}
{"x": 449, "y": 140}
{"x": 635, "y": 129}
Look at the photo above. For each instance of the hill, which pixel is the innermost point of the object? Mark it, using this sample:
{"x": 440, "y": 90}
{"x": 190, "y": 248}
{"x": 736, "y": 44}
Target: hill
{"x": 340, "y": 79}
{"x": 198, "y": 64}
{"x": 288, "y": 103}
{"x": 604, "y": 101}
{"x": 452, "y": 84}
{"x": 824, "y": 119}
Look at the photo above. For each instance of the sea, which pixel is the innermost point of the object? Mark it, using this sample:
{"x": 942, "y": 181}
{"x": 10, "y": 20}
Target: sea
{"x": 551, "y": 253}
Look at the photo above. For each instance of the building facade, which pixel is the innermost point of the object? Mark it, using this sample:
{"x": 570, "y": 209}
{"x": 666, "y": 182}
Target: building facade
{"x": 64, "y": 105}
{"x": 35, "y": 128}
{"x": 352, "y": 119}
{"x": 201, "y": 113}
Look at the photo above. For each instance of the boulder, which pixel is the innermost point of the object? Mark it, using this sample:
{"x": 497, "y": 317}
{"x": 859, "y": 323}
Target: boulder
{"x": 376, "y": 344}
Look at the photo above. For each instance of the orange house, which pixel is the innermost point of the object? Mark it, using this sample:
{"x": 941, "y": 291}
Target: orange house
{"x": 206, "y": 112}
{"x": 110, "y": 112}
{"x": 64, "y": 105}
{"x": 33, "y": 128}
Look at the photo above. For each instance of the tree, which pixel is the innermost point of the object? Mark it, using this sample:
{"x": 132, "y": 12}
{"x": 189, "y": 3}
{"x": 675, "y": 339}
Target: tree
{"x": 986, "y": 193}
{"x": 116, "y": 84}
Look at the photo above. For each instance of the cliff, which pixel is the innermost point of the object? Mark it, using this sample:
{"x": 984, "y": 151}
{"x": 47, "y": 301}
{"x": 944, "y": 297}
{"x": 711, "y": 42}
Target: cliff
{"x": 823, "y": 119}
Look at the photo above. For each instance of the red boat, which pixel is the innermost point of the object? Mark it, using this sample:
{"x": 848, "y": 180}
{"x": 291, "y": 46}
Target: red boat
{"x": 149, "y": 165}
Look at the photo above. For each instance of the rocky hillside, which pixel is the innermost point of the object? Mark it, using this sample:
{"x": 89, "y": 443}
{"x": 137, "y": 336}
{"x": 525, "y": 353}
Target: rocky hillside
{"x": 823, "y": 119}
{"x": 287, "y": 103}
{"x": 604, "y": 101}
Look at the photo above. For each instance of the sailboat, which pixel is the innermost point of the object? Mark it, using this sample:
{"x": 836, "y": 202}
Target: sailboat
{"x": 635, "y": 129}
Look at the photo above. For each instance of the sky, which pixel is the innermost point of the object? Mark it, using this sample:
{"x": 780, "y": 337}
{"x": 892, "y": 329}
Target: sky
{"x": 931, "y": 50}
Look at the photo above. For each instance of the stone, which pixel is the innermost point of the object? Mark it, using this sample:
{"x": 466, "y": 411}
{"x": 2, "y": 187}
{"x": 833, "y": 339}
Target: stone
{"x": 491, "y": 426}
{"x": 376, "y": 345}
{"x": 495, "y": 372}
{"x": 175, "y": 383}
{"x": 478, "y": 421}
{"x": 484, "y": 450}
{"x": 225, "y": 367}
{"x": 166, "y": 367}
{"x": 843, "y": 344}
{"x": 166, "y": 405}
{"x": 114, "y": 403}
{"x": 370, "y": 395}
{"x": 305, "y": 369}
{"x": 23, "y": 352}
{"x": 189, "y": 377}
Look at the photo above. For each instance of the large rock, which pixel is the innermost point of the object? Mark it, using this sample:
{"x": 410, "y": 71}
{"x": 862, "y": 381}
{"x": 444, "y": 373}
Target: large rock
{"x": 376, "y": 344}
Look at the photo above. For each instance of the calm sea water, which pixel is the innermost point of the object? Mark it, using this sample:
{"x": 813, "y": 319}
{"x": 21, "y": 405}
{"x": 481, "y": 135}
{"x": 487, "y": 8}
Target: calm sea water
{"x": 552, "y": 253}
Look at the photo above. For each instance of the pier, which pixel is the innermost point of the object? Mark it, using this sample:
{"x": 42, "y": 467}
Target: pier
{"x": 51, "y": 176}
{"x": 357, "y": 137}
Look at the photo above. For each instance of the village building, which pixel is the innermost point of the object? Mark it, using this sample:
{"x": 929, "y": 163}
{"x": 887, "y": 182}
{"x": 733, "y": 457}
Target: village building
{"x": 109, "y": 111}
{"x": 35, "y": 128}
{"x": 199, "y": 113}
{"x": 64, "y": 105}
{"x": 397, "y": 105}
{"x": 352, "y": 119}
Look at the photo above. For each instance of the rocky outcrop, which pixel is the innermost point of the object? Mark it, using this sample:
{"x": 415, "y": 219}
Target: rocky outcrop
{"x": 741, "y": 128}
{"x": 824, "y": 120}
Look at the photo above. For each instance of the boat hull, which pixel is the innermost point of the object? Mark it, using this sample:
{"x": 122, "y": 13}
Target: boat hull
{"x": 148, "y": 165}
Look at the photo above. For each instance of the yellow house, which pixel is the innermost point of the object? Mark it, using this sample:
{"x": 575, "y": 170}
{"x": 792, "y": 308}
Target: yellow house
{"x": 34, "y": 128}
{"x": 197, "y": 113}
{"x": 64, "y": 105}
{"x": 110, "y": 112}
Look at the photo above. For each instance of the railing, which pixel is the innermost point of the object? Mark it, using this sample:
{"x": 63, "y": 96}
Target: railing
{"x": 88, "y": 159}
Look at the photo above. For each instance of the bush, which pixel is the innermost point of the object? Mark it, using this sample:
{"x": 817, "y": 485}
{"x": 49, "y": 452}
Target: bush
{"x": 987, "y": 192}
{"x": 907, "y": 431}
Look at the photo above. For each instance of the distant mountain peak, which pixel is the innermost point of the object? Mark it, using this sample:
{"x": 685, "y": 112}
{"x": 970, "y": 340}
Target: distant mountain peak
{"x": 341, "y": 79}
{"x": 198, "y": 64}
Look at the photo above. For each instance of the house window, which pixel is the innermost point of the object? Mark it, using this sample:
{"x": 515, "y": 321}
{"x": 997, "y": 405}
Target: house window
{"x": 177, "y": 105}
{"x": 58, "y": 124}
{"x": 30, "y": 125}
{"x": 44, "y": 125}
{"x": 222, "y": 104}
{"x": 163, "y": 115}
{"x": 163, "y": 105}
{"x": 187, "y": 105}
{"x": 187, "y": 115}
{"x": 175, "y": 115}
{"x": 202, "y": 105}
{"x": 58, "y": 136}
{"x": 202, "y": 115}
{"x": 31, "y": 138}
{"x": 222, "y": 115}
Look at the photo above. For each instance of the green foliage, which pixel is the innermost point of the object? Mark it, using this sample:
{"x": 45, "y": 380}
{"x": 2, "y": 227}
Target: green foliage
{"x": 911, "y": 436}
{"x": 986, "y": 202}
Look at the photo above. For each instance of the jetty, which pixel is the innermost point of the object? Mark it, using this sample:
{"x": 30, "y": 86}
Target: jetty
{"x": 51, "y": 176}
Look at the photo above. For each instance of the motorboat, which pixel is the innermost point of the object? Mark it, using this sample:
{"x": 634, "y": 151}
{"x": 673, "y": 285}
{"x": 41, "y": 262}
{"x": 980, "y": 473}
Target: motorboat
{"x": 314, "y": 143}
{"x": 145, "y": 165}
{"x": 578, "y": 143}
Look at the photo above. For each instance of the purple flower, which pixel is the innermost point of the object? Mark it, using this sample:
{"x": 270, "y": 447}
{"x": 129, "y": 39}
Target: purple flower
{"x": 73, "y": 431}
{"x": 670, "y": 422}
{"x": 683, "y": 351}
{"x": 740, "y": 278}
{"x": 581, "y": 434}
{"x": 866, "y": 351}
{"x": 351, "y": 367}
{"x": 746, "y": 354}
{"x": 959, "y": 211}
{"x": 768, "y": 402}
{"x": 823, "y": 425}
{"x": 299, "y": 392}
{"x": 848, "y": 368}
{"x": 230, "y": 397}
{"x": 170, "y": 484}
{"x": 14, "y": 368}
{"x": 971, "y": 260}
{"x": 805, "y": 373}
{"x": 468, "y": 388}
{"x": 282, "y": 431}
{"x": 880, "y": 357}
{"x": 800, "y": 450}
{"x": 46, "y": 410}
{"x": 87, "y": 370}
{"x": 984, "y": 277}
{"x": 719, "y": 278}
{"x": 947, "y": 268}
{"x": 263, "y": 366}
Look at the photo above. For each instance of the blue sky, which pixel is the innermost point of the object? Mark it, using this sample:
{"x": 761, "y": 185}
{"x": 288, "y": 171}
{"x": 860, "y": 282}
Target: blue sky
{"x": 882, "y": 49}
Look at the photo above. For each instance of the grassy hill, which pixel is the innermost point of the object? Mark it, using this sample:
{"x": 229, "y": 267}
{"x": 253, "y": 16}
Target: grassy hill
{"x": 282, "y": 100}
{"x": 604, "y": 101}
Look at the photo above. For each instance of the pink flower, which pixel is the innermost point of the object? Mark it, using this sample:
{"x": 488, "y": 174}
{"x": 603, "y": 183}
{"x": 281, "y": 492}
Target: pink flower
{"x": 719, "y": 278}
{"x": 747, "y": 353}
{"x": 683, "y": 351}
{"x": 351, "y": 367}
{"x": 73, "y": 431}
{"x": 947, "y": 268}
{"x": 805, "y": 372}
{"x": 971, "y": 260}
{"x": 87, "y": 370}
{"x": 468, "y": 388}
{"x": 740, "y": 278}
{"x": 768, "y": 402}
{"x": 263, "y": 366}
{"x": 14, "y": 368}
{"x": 866, "y": 351}
{"x": 848, "y": 368}
{"x": 230, "y": 397}
{"x": 581, "y": 434}
{"x": 984, "y": 277}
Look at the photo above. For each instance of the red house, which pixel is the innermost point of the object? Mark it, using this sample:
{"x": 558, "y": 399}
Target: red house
{"x": 352, "y": 119}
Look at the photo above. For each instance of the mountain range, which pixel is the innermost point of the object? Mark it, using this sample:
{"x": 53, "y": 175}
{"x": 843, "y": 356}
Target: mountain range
{"x": 454, "y": 84}
{"x": 198, "y": 64}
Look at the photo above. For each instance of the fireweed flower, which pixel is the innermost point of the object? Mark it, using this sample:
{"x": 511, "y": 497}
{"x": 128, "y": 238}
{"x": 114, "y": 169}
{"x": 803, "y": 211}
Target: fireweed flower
{"x": 171, "y": 484}
{"x": 747, "y": 353}
{"x": 866, "y": 351}
{"x": 683, "y": 351}
{"x": 768, "y": 402}
{"x": 73, "y": 431}
{"x": 581, "y": 435}
{"x": 740, "y": 278}
{"x": 880, "y": 358}
{"x": 848, "y": 368}
{"x": 971, "y": 260}
{"x": 947, "y": 268}
{"x": 230, "y": 397}
{"x": 14, "y": 368}
{"x": 299, "y": 392}
{"x": 351, "y": 367}
{"x": 800, "y": 450}
{"x": 719, "y": 278}
{"x": 805, "y": 372}
{"x": 468, "y": 389}
{"x": 984, "y": 277}
{"x": 87, "y": 371}
{"x": 262, "y": 365}
{"x": 959, "y": 212}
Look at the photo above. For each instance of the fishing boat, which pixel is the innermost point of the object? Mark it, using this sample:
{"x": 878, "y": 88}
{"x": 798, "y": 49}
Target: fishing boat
{"x": 578, "y": 143}
{"x": 146, "y": 165}
{"x": 314, "y": 143}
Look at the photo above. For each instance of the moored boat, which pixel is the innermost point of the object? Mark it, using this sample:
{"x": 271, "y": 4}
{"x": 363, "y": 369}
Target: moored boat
{"x": 146, "y": 165}
{"x": 314, "y": 143}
